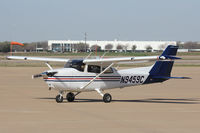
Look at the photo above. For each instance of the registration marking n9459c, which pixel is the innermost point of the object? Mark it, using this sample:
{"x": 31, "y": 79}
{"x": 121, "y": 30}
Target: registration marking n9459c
{"x": 132, "y": 79}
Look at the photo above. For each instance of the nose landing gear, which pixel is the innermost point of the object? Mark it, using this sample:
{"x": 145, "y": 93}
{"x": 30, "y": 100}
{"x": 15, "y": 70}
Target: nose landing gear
{"x": 59, "y": 98}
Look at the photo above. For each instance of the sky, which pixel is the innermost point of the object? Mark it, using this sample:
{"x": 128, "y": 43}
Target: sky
{"x": 140, "y": 20}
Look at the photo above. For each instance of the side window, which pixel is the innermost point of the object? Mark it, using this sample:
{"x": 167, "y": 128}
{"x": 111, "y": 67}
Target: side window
{"x": 108, "y": 71}
{"x": 94, "y": 69}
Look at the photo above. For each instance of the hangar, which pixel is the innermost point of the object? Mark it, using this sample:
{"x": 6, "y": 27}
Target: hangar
{"x": 68, "y": 45}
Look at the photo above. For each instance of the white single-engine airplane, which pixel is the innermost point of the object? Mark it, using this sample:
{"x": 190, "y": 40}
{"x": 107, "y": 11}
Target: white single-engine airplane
{"x": 83, "y": 75}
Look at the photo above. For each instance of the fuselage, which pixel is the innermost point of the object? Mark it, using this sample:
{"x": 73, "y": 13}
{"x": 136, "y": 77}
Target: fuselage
{"x": 70, "y": 79}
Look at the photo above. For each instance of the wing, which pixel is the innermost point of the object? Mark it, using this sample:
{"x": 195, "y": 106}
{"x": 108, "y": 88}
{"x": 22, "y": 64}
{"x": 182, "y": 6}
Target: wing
{"x": 125, "y": 60}
{"x": 38, "y": 58}
{"x": 168, "y": 54}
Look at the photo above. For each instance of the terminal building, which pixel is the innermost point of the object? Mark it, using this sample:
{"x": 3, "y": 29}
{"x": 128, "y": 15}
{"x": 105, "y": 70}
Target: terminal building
{"x": 68, "y": 45}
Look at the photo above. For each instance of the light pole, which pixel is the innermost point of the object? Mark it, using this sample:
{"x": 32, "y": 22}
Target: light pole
{"x": 36, "y": 47}
{"x": 85, "y": 42}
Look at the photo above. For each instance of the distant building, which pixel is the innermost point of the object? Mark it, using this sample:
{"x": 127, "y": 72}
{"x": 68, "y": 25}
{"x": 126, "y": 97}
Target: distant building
{"x": 67, "y": 45}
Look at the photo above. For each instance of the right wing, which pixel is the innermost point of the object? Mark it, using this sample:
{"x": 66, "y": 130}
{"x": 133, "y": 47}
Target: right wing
{"x": 38, "y": 58}
{"x": 121, "y": 60}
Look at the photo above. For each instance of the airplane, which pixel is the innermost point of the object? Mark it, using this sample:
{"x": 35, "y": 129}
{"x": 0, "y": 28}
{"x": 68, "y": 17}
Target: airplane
{"x": 84, "y": 75}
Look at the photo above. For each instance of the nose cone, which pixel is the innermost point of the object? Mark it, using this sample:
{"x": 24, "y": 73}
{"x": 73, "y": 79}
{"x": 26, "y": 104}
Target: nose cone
{"x": 50, "y": 73}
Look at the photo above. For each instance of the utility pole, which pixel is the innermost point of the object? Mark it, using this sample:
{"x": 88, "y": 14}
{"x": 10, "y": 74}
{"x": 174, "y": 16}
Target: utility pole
{"x": 36, "y": 47}
{"x": 85, "y": 42}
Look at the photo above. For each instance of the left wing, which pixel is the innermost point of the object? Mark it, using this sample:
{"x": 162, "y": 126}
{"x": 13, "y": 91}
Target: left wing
{"x": 104, "y": 61}
{"x": 38, "y": 58}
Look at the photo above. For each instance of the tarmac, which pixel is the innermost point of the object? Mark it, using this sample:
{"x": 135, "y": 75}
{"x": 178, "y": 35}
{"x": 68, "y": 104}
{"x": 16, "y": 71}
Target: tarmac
{"x": 27, "y": 106}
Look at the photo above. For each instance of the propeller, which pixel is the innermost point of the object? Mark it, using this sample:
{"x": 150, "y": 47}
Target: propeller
{"x": 36, "y": 76}
{"x": 44, "y": 74}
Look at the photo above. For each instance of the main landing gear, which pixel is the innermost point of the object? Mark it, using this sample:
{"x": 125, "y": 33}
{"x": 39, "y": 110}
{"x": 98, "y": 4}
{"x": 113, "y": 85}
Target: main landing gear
{"x": 70, "y": 97}
{"x": 106, "y": 97}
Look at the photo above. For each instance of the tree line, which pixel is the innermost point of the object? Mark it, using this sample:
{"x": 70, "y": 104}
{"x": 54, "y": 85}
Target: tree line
{"x": 82, "y": 47}
{"x": 29, "y": 47}
{"x": 189, "y": 45}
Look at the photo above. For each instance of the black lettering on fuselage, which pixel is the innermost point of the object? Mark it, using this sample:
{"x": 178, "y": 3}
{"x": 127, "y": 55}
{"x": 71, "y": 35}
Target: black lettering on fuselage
{"x": 122, "y": 79}
{"x": 132, "y": 79}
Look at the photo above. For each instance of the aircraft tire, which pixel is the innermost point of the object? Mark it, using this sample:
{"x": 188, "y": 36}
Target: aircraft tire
{"x": 59, "y": 99}
{"x": 70, "y": 97}
{"x": 107, "y": 98}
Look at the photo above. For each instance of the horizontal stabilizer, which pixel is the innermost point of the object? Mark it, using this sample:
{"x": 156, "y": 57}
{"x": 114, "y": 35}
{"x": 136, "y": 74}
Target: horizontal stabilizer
{"x": 172, "y": 57}
{"x": 165, "y": 77}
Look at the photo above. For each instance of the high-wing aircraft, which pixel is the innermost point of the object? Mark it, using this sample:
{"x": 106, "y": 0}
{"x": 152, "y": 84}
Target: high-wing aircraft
{"x": 83, "y": 75}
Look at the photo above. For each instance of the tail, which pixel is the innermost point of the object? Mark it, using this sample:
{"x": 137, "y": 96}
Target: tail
{"x": 164, "y": 68}
{"x": 161, "y": 70}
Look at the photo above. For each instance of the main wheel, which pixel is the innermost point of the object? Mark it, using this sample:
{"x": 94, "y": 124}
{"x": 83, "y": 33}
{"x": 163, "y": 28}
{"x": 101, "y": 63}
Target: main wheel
{"x": 59, "y": 99}
{"x": 107, "y": 98}
{"x": 70, "y": 97}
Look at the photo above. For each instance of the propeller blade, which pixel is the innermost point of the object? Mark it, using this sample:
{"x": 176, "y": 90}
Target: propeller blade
{"x": 44, "y": 74}
{"x": 36, "y": 76}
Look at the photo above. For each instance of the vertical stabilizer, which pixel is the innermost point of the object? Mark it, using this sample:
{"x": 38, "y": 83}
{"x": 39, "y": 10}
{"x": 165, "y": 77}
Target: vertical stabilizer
{"x": 162, "y": 68}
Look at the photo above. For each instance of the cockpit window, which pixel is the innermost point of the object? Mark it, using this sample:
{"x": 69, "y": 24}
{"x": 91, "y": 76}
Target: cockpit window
{"x": 76, "y": 64}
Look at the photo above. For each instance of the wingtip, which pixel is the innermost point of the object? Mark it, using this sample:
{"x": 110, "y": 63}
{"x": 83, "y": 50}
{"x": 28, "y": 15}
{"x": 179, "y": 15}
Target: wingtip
{"x": 187, "y": 78}
{"x": 7, "y": 57}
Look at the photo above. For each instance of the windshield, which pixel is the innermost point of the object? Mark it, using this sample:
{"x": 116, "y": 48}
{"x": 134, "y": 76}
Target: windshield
{"x": 76, "y": 64}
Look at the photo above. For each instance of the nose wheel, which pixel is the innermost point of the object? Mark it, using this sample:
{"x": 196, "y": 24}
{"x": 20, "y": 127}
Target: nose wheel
{"x": 59, "y": 98}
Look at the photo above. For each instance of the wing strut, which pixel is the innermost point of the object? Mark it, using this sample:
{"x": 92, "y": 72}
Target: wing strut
{"x": 49, "y": 66}
{"x": 97, "y": 76}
